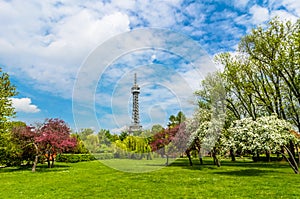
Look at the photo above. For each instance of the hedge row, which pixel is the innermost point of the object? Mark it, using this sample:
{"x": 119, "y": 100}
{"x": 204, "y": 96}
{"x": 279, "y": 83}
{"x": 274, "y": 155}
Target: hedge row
{"x": 74, "y": 158}
{"x": 103, "y": 156}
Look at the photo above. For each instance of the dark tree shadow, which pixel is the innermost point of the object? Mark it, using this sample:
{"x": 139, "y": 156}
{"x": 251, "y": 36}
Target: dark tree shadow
{"x": 242, "y": 167}
{"x": 244, "y": 172}
{"x": 39, "y": 168}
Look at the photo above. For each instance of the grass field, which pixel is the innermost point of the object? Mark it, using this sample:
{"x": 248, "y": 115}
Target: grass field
{"x": 95, "y": 180}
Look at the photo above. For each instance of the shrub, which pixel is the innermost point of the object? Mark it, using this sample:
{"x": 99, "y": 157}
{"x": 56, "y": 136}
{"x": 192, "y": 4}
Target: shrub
{"x": 74, "y": 157}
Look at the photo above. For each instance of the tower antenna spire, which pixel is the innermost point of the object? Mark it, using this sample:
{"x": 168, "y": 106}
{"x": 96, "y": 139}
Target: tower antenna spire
{"x": 135, "y": 124}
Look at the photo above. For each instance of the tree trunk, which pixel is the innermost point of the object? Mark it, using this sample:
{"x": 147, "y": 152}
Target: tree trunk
{"x": 167, "y": 163}
{"x": 35, "y": 163}
{"x": 268, "y": 156}
{"x": 52, "y": 163}
{"x": 36, "y": 157}
{"x": 200, "y": 157}
{"x": 214, "y": 155}
{"x": 189, "y": 156}
{"x": 298, "y": 152}
{"x": 232, "y": 155}
{"x": 291, "y": 160}
{"x": 48, "y": 160}
{"x": 292, "y": 149}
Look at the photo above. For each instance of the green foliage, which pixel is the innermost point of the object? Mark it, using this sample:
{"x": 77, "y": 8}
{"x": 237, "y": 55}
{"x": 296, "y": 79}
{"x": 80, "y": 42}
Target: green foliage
{"x": 7, "y": 90}
{"x": 72, "y": 158}
{"x": 262, "y": 77}
{"x": 156, "y": 128}
{"x": 80, "y": 147}
{"x": 97, "y": 143}
{"x": 132, "y": 147}
{"x": 176, "y": 120}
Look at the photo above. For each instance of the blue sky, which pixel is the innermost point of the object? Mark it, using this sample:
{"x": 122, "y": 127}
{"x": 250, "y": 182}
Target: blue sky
{"x": 46, "y": 46}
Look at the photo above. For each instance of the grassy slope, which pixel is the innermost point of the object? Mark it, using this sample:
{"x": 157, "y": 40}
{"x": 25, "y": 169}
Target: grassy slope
{"x": 95, "y": 180}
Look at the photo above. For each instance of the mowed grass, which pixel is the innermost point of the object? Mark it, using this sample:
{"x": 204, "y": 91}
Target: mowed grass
{"x": 96, "y": 180}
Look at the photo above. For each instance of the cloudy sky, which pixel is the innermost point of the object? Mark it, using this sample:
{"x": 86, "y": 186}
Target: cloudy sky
{"x": 75, "y": 60}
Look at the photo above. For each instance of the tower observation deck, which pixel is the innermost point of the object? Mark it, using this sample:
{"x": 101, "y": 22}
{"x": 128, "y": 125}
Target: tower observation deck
{"x": 135, "y": 123}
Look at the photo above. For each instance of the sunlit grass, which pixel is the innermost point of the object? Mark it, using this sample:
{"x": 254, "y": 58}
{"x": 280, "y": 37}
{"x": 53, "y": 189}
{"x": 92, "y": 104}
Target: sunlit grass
{"x": 95, "y": 180}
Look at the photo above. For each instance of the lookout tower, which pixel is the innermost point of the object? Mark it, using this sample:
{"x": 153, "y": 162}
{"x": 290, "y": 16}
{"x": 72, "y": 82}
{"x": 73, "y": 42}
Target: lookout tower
{"x": 135, "y": 123}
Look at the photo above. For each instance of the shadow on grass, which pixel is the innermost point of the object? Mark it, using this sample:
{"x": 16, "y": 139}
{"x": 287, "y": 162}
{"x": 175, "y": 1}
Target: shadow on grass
{"x": 244, "y": 172}
{"x": 39, "y": 168}
{"x": 240, "y": 167}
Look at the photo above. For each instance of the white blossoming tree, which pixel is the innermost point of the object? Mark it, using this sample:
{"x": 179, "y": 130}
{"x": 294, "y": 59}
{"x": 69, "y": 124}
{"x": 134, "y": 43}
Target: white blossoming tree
{"x": 266, "y": 133}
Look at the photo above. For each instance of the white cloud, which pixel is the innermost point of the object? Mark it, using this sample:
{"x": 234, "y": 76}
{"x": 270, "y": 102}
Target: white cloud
{"x": 284, "y": 15}
{"x": 259, "y": 14}
{"x": 293, "y": 6}
{"x": 241, "y": 4}
{"x": 24, "y": 105}
{"x": 119, "y": 130}
{"x": 46, "y": 44}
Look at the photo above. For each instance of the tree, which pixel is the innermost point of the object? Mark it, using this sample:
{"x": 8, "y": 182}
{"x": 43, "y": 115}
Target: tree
{"x": 133, "y": 147}
{"x": 123, "y": 135}
{"x": 156, "y": 128}
{"x": 162, "y": 142}
{"x": 85, "y": 132}
{"x": 7, "y": 90}
{"x": 53, "y": 137}
{"x": 205, "y": 127}
{"x": 263, "y": 76}
{"x": 80, "y": 147}
{"x": 25, "y": 138}
{"x": 22, "y": 150}
{"x": 266, "y": 133}
{"x": 176, "y": 120}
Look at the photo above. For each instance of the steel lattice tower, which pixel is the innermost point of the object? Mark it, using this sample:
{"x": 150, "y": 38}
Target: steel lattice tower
{"x": 135, "y": 90}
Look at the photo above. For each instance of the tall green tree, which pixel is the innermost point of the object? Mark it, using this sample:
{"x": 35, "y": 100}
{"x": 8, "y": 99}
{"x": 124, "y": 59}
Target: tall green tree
{"x": 7, "y": 90}
{"x": 263, "y": 76}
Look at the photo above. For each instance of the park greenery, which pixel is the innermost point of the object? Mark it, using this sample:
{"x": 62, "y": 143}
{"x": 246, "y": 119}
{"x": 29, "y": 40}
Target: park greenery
{"x": 248, "y": 111}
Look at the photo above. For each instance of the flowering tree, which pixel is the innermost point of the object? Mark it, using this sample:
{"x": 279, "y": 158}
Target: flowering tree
{"x": 264, "y": 134}
{"x": 53, "y": 137}
{"x": 162, "y": 142}
{"x": 25, "y": 137}
{"x": 204, "y": 131}
{"x": 50, "y": 138}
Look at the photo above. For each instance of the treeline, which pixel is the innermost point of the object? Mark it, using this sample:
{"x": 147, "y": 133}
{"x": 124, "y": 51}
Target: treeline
{"x": 253, "y": 105}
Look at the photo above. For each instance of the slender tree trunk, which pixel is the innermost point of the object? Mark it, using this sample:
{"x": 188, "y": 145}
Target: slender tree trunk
{"x": 36, "y": 157}
{"x": 291, "y": 160}
{"x": 200, "y": 157}
{"x": 48, "y": 160}
{"x": 214, "y": 155}
{"x": 52, "y": 162}
{"x": 232, "y": 155}
{"x": 298, "y": 152}
{"x": 189, "y": 156}
{"x": 268, "y": 156}
{"x": 35, "y": 163}
{"x": 167, "y": 163}
{"x": 292, "y": 148}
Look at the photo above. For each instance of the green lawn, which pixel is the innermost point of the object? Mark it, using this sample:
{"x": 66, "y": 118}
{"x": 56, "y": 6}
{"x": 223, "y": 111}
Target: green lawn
{"x": 95, "y": 180}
